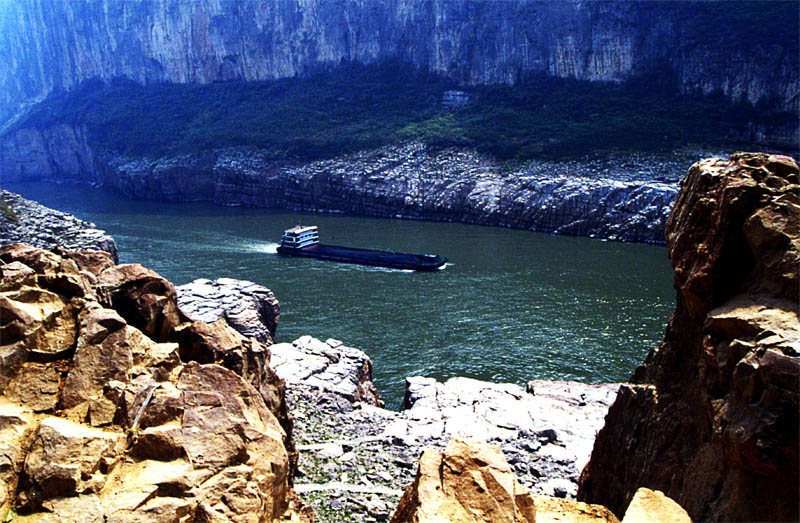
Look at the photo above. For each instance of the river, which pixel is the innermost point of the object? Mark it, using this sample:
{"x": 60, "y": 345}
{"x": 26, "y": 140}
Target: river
{"x": 510, "y": 305}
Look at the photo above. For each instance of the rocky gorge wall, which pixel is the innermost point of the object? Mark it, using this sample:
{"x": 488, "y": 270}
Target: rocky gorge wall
{"x": 711, "y": 416}
{"x": 621, "y": 202}
{"x": 55, "y": 44}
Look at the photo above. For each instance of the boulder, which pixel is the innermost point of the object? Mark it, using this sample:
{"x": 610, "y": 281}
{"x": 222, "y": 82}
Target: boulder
{"x": 328, "y": 365}
{"x": 66, "y": 459}
{"x": 468, "y": 481}
{"x": 146, "y": 300}
{"x": 711, "y": 417}
{"x": 554, "y": 510}
{"x": 252, "y": 310}
{"x": 652, "y": 505}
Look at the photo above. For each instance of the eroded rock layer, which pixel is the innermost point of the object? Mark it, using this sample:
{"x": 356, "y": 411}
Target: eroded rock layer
{"x": 711, "y": 417}
{"x": 629, "y": 200}
{"x": 25, "y": 221}
{"x": 116, "y": 407}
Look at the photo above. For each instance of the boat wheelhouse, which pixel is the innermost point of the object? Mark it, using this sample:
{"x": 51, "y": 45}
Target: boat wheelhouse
{"x": 304, "y": 242}
{"x": 299, "y": 237}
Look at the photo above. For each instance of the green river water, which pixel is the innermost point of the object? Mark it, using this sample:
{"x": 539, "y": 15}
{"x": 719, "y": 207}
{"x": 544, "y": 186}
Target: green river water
{"x": 510, "y": 306}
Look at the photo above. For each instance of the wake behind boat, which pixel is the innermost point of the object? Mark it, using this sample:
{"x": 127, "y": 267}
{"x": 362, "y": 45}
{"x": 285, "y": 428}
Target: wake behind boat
{"x": 304, "y": 242}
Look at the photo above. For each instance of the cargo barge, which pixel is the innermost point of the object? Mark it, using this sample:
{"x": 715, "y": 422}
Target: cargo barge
{"x": 304, "y": 242}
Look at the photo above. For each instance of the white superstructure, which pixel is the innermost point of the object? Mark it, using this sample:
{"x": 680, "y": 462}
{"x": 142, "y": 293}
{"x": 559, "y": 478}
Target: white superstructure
{"x": 299, "y": 237}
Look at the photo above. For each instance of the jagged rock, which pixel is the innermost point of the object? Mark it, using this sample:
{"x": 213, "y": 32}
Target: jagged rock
{"x": 468, "y": 481}
{"x": 554, "y": 510}
{"x": 34, "y": 224}
{"x": 138, "y": 434}
{"x": 711, "y": 417}
{"x": 67, "y": 458}
{"x": 37, "y": 324}
{"x": 381, "y": 446}
{"x": 110, "y": 350}
{"x": 35, "y": 386}
{"x": 648, "y": 505}
{"x": 555, "y": 425}
{"x": 146, "y": 300}
{"x": 249, "y": 308}
{"x": 329, "y": 366}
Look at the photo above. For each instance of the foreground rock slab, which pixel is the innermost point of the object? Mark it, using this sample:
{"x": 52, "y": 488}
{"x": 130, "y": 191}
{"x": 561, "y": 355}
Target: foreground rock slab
{"x": 548, "y": 434}
{"x": 328, "y": 365}
{"x": 711, "y": 417}
{"x": 355, "y": 459}
{"x": 468, "y": 481}
{"x": 652, "y": 505}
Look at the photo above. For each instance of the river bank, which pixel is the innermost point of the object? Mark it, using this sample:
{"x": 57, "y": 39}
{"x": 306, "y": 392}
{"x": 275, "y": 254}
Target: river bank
{"x": 624, "y": 197}
{"x": 26, "y": 221}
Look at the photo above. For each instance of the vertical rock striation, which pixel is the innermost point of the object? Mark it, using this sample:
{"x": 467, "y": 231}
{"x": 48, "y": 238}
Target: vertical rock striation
{"x": 55, "y": 44}
{"x": 711, "y": 417}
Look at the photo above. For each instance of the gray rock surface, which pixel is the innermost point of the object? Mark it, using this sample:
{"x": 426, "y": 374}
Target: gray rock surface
{"x": 329, "y": 366}
{"x": 56, "y": 44}
{"x": 625, "y": 197}
{"x": 359, "y": 458}
{"x": 249, "y": 308}
{"x": 25, "y": 221}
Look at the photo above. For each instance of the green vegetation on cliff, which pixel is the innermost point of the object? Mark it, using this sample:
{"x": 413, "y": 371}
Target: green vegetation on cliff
{"x": 354, "y": 107}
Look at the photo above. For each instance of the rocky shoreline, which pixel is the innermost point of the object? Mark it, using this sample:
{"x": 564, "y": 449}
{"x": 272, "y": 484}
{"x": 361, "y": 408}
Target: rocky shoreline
{"x": 355, "y": 458}
{"x": 625, "y": 197}
{"x": 25, "y": 221}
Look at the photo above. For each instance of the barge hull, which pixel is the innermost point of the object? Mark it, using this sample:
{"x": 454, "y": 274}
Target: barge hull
{"x": 389, "y": 259}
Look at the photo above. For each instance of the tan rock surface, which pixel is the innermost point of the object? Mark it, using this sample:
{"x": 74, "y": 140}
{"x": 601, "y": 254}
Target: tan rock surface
{"x": 555, "y": 510}
{"x": 469, "y": 481}
{"x": 711, "y": 417}
{"x": 652, "y": 506}
{"x": 129, "y": 431}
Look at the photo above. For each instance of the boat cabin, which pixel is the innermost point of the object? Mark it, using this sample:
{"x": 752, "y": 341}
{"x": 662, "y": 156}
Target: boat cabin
{"x": 299, "y": 237}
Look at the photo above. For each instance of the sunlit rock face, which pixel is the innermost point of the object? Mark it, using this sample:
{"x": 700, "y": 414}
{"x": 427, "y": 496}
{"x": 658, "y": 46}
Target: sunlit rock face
{"x": 711, "y": 416}
{"x": 54, "y": 44}
{"x": 116, "y": 407}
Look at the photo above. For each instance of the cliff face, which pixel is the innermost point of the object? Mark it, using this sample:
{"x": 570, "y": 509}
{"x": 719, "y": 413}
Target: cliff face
{"x": 51, "y": 44}
{"x": 711, "y": 417}
{"x": 409, "y": 181}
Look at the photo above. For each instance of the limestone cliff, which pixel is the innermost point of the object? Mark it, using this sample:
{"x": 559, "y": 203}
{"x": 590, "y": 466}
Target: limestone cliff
{"x": 711, "y": 417}
{"x": 116, "y": 407}
{"x": 409, "y": 180}
{"x": 740, "y": 50}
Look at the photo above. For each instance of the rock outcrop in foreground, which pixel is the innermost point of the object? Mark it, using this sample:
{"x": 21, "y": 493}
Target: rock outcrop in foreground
{"x": 711, "y": 417}
{"x": 328, "y": 365}
{"x": 252, "y": 310}
{"x": 115, "y": 407}
{"x": 25, "y": 221}
{"x": 469, "y": 481}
